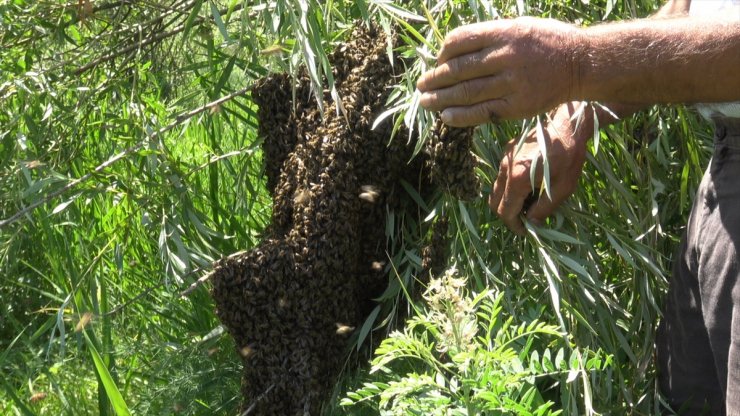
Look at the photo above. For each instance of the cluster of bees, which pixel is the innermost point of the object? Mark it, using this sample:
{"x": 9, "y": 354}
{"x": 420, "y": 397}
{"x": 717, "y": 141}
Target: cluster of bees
{"x": 451, "y": 164}
{"x": 292, "y": 303}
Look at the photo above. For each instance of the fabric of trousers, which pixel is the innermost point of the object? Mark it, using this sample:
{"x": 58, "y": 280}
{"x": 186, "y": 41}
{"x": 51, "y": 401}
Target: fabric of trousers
{"x": 698, "y": 339}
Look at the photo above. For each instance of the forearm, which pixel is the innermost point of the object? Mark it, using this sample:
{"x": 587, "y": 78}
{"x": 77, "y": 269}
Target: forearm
{"x": 612, "y": 112}
{"x": 678, "y": 60}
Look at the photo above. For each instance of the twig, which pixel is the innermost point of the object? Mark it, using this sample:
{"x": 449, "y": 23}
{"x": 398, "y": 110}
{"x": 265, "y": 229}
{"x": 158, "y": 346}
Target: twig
{"x": 133, "y": 300}
{"x": 254, "y": 403}
{"x": 147, "y": 41}
{"x": 133, "y": 149}
{"x": 195, "y": 285}
{"x": 70, "y": 185}
{"x": 148, "y": 290}
{"x": 128, "y": 49}
{"x": 205, "y": 278}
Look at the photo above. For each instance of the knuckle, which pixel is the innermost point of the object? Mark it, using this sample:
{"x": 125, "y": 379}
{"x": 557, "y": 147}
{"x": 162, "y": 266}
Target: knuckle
{"x": 489, "y": 110}
{"x": 520, "y": 171}
{"x": 514, "y": 80}
{"x": 465, "y": 93}
{"x": 455, "y": 35}
{"x": 524, "y": 27}
{"x": 453, "y": 68}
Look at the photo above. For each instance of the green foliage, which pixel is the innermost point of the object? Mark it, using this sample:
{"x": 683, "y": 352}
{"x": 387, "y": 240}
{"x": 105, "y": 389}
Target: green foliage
{"x": 460, "y": 356}
{"x": 129, "y": 162}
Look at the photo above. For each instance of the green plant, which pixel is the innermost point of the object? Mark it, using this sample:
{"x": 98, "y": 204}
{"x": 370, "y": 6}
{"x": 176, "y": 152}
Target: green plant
{"x": 461, "y": 356}
{"x": 129, "y": 162}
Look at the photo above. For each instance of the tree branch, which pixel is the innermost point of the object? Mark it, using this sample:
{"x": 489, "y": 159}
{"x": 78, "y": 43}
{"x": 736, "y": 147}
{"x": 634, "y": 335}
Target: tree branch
{"x": 182, "y": 117}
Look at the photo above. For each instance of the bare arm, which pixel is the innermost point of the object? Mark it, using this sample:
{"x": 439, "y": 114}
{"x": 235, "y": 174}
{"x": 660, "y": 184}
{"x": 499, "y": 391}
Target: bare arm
{"x": 679, "y": 60}
{"x": 511, "y": 69}
{"x": 566, "y": 152}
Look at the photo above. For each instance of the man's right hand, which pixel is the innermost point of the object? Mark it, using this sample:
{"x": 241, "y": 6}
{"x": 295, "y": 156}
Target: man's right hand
{"x": 566, "y": 154}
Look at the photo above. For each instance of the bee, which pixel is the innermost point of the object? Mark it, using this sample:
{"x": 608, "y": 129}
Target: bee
{"x": 246, "y": 351}
{"x": 37, "y": 397}
{"x": 369, "y": 193}
{"x": 377, "y": 266}
{"x": 84, "y": 321}
{"x": 85, "y": 9}
{"x": 276, "y": 49}
{"x": 301, "y": 196}
{"x": 344, "y": 330}
{"x": 32, "y": 164}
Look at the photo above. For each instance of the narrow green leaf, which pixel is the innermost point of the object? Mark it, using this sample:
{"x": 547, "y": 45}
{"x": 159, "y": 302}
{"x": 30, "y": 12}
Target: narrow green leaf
{"x": 219, "y": 22}
{"x": 191, "y": 18}
{"x": 542, "y": 142}
{"x": 116, "y": 399}
{"x": 224, "y": 78}
{"x": 14, "y": 397}
{"x": 367, "y": 326}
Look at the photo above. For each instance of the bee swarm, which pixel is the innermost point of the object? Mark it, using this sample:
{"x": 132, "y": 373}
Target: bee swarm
{"x": 292, "y": 302}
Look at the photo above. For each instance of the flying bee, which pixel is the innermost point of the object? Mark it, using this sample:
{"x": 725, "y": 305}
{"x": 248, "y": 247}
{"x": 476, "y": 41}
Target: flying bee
{"x": 377, "y": 266}
{"x": 276, "y": 49}
{"x": 344, "y": 330}
{"x": 84, "y": 321}
{"x": 37, "y": 397}
{"x": 369, "y": 193}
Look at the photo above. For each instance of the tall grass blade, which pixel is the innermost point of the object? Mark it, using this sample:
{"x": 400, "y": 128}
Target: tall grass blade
{"x": 111, "y": 390}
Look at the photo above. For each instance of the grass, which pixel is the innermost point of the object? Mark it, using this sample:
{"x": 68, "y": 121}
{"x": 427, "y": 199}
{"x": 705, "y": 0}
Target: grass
{"x": 91, "y": 316}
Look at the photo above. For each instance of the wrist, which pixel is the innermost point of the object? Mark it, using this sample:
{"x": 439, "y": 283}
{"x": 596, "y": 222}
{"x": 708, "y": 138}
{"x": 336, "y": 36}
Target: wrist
{"x": 579, "y": 52}
{"x": 575, "y": 118}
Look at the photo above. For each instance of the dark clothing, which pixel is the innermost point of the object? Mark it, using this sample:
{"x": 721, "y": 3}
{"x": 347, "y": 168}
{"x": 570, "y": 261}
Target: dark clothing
{"x": 698, "y": 340}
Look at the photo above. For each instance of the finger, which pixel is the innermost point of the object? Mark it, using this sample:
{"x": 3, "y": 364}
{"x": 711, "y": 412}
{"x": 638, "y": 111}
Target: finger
{"x": 511, "y": 204}
{"x": 544, "y": 207}
{"x": 472, "y": 115}
{"x": 471, "y": 38}
{"x": 530, "y": 200}
{"x": 498, "y": 187}
{"x": 470, "y": 66}
{"x": 469, "y": 92}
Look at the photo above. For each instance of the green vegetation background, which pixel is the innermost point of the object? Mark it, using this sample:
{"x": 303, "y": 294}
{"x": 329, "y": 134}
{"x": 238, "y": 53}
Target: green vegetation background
{"x": 129, "y": 162}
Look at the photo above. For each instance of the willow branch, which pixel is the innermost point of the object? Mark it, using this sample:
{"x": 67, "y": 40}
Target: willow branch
{"x": 146, "y": 42}
{"x": 181, "y": 118}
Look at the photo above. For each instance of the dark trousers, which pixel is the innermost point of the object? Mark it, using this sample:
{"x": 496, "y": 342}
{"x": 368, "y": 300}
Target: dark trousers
{"x": 698, "y": 340}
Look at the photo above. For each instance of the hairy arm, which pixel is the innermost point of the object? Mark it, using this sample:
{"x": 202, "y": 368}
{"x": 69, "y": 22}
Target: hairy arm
{"x": 509, "y": 69}
{"x": 566, "y": 134}
{"x": 670, "y": 10}
{"x": 678, "y": 60}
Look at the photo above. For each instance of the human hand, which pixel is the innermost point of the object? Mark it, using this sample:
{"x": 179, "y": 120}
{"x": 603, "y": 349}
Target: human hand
{"x": 503, "y": 69}
{"x": 566, "y": 154}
